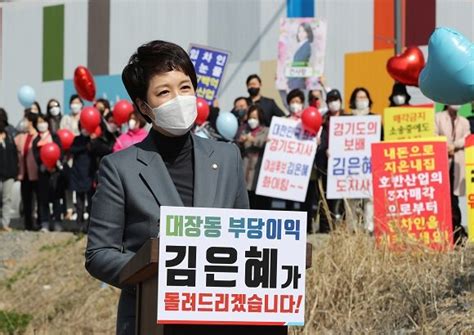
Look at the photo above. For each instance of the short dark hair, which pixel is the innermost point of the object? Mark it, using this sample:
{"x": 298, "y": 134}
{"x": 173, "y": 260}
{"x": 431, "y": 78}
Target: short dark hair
{"x": 152, "y": 58}
{"x": 295, "y": 93}
{"x": 105, "y": 102}
{"x": 253, "y": 76}
{"x": 352, "y": 100}
{"x": 75, "y": 96}
{"x": 241, "y": 98}
{"x": 309, "y": 31}
{"x": 261, "y": 116}
{"x": 3, "y": 115}
{"x": 310, "y": 95}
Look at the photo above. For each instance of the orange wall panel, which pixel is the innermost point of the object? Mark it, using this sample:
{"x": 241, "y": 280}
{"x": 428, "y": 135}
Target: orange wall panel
{"x": 367, "y": 69}
{"x": 383, "y": 24}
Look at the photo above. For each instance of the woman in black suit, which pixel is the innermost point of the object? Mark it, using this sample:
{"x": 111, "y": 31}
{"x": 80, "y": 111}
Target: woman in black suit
{"x": 304, "y": 37}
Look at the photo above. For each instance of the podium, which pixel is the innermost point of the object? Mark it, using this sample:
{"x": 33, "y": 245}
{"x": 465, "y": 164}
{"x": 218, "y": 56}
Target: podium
{"x": 142, "y": 271}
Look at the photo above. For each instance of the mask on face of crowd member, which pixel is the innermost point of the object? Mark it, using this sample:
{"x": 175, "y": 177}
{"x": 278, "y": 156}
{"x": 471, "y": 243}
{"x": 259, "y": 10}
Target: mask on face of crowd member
{"x": 253, "y": 123}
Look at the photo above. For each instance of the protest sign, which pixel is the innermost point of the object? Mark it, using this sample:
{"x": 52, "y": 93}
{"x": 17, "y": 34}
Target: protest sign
{"x": 287, "y": 161}
{"x": 209, "y": 64}
{"x": 401, "y": 123}
{"x": 411, "y": 192}
{"x": 231, "y": 267}
{"x": 349, "y": 169}
{"x": 301, "y": 52}
{"x": 469, "y": 155}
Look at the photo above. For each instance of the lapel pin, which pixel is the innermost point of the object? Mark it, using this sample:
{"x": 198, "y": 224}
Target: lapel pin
{"x": 214, "y": 166}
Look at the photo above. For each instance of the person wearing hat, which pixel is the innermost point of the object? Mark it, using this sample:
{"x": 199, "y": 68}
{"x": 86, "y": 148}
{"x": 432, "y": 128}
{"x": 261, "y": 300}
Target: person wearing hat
{"x": 399, "y": 96}
{"x": 335, "y": 206}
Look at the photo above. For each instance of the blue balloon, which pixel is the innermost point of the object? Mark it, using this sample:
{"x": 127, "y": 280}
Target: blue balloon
{"x": 448, "y": 76}
{"x": 227, "y": 125}
{"x": 26, "y": 96}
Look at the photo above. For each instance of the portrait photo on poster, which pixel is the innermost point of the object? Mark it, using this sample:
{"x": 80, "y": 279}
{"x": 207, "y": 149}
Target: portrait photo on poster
{"x": 301, "y": 52}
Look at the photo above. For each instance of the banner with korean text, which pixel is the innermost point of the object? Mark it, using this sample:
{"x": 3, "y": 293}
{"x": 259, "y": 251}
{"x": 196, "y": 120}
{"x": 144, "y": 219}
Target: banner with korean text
{"x": 231, "y": 267}
{"x": 349, "y": 169}
{"x": 411, "y": 193}
{"x": 287, "y": 161}
{"x": 469, "y": 154}
{"x": 209, "y": 64}
{"x": 402, "y": 123}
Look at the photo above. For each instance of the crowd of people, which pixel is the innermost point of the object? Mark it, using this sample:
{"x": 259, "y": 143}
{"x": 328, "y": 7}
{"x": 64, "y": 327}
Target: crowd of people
{"x": 51, "y": 196}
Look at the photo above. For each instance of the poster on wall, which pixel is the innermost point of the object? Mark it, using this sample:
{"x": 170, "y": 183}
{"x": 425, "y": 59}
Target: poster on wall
{"x": 301, "y": 52}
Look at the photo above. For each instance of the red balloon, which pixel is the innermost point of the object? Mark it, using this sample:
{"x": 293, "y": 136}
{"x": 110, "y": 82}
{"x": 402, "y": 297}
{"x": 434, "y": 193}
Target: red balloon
{"x": 98, "y": 131}
{"x": 50, "y": 154}
{"x": 90, "y": 119}
{"x": 67, "y": 137}
{"x": 311, "y": 119}
{"x": 406, "y": 67}
{"x": 122, "y": 111}
{"x": 202, "y": 111}
{"x": 84, "y": 83}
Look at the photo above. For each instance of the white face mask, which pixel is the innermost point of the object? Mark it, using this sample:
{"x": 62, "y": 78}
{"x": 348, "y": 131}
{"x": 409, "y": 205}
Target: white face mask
{"x": 334, "y": 106}
{"x": 132, "y": 124}
{"x": 295, "y": 108}
{"x": 84, "y": 132}
{"x": 76, "y": 108}
{"x": 456, "y": 107}
{"x": 176, "y": 116}
{"x": 55, "y": 111}
{"x": 42, "y": 127}
{"x": 399, "y": 100}
{"x": 362, "y": 107}
{"x": 253, "y": 123}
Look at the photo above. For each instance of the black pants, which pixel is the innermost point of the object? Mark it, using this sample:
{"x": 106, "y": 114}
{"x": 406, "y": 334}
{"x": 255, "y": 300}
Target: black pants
{"x": 258, "y": 201}
{"x": 335, "y": 207}
{"x": 28, "y": 189}
{"x": 458, "y": 230}
{"x": 81, "y": 198}
{"x": 49, "y": 193}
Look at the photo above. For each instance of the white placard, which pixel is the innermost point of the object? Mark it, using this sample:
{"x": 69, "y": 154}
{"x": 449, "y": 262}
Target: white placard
{"x": 231, "y": 267}
{"x": 287, "y": 161}
{"x": 349, "y": 167}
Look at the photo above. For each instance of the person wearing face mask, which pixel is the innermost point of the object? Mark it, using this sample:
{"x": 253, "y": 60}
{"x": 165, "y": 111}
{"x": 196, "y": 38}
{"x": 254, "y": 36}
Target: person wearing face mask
{"x": 399, "y": 96}
{"x": 455, "y": 128}
{"x": 253, "y": 139}
{"x": 269, "y": 107}
{"x": 170, "y": 167}
{"x": 71, "y": 122}
{"x": 81, "y": 176}
{"x": 360, "y": 210}
{"x": 8, "y": 171}
{"x": 28, "y": 169}
{"x": 241, "y": 106}
{"x": 135, "y": 134}
{"x": 35, "y": 108}
{"x": 334, "y": 210}
{"x": 295, "y": 101}
{"x": 49, "y": 189}
{"x": 53, "y": 114}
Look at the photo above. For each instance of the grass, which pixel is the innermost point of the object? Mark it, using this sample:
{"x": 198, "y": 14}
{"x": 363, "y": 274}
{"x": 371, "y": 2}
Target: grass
{"x": 13, "y": 323}
{"x": 352, "y": 287}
